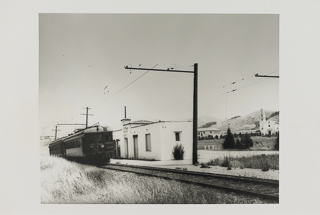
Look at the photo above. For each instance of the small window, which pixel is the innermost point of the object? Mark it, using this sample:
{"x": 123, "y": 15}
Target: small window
{"x": 177, "y": 134}
{"x": 148, "y": 143}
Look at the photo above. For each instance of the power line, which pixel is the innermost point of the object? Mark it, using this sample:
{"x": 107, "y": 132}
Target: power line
{"x": 126, "y": 86}
{"x": 239, "y": 80}
{"x": 216, "y": 95}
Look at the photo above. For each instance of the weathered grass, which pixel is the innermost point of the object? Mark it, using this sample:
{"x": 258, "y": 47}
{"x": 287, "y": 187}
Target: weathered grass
{"x": 259, "y": 143}
{"x": 254, "y": 162}
{"x": 68, "y": 182}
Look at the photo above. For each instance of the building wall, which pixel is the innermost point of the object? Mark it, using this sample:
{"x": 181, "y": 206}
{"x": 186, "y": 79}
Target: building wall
{"x": 162, "y": 139}
{"x": 141, "y": 131}
{"x": 207, "y": 133}
{"x": 269, "y": 126}
{"x": 168, "y": 139}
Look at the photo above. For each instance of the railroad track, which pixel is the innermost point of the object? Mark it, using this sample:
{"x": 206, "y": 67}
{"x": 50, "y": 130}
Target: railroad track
{"x": 265, "y": 189}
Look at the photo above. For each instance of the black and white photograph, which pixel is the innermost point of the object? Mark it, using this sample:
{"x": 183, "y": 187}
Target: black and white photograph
{"x": 159, "y": 108}
{"x": 173, "y": 110}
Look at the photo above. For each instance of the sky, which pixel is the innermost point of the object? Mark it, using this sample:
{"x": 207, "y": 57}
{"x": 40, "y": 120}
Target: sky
{"x": 82, "y": 59}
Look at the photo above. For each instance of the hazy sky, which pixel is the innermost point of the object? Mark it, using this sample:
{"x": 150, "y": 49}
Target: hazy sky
{"x": 81, "y": 54}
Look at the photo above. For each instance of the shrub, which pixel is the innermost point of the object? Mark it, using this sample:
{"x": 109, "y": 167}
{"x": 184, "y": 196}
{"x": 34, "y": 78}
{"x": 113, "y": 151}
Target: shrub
{"x": 276, "y": 146}
{"x": 225, "y": 162}
{"x": 245, "y": 142}
{"x": 215, "y": 162}
{"x": 229, "y": 140}
{"x": 204, "y": 165}
{"x": 178, "y": 152}
{"x": 265, "y": 167}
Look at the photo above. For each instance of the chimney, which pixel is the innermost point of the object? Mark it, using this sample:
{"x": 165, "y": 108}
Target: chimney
{"x": 125, "y": 120}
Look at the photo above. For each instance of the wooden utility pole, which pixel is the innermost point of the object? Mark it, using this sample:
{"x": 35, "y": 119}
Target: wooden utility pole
{"x": 195, "y": 103}
{"x": 55, "y": 137}
{"x": 87, "y": 116}
{"x": 195, "y": 115}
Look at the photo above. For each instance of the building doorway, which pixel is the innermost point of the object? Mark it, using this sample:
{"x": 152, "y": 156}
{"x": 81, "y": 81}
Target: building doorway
{"x": 135, "y": 146}
{"x": 126, "y": 151}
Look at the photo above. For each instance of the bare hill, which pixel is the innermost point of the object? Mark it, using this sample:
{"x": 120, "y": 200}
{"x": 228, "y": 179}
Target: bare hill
{"x": 247, "y": 123}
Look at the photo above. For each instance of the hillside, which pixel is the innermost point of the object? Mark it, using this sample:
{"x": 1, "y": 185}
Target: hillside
{"x": 202, "y": 120}
{"x": 247, "y": 123}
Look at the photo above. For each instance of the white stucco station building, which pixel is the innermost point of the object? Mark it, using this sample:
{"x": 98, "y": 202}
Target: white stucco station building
{"x": 153, "y": 140}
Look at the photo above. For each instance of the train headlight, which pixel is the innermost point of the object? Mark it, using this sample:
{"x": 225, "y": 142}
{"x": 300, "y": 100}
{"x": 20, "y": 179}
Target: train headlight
{"x": 102, "y": 146}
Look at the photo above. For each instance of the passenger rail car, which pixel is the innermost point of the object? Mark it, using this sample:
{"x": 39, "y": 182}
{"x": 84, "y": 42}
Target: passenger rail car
{"x": 92, "y": 145}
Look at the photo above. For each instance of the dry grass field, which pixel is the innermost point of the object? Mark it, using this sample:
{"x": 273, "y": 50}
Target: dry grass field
{"x": 64, "y": 182}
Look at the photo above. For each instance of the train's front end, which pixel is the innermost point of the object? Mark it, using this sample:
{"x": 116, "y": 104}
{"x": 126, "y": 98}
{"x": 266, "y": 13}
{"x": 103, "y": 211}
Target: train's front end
{"x": 99, "y": 146}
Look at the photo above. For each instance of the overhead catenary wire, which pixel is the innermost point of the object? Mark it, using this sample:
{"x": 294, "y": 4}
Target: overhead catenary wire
{"x": 126, "y": 86}
{"x": 235, "y": 82}
{"x": 203, "y": 100}
{"x": 206, "y": 100}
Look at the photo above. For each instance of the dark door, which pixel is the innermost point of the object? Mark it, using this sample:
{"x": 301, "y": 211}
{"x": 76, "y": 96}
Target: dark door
{"x": 135, "y": 146}
{"x": 126, "y": 147}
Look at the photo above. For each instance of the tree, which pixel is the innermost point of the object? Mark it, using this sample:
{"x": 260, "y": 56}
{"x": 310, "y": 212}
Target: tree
{"x": 245, "y": 142}
{"x": 229, "y": 140}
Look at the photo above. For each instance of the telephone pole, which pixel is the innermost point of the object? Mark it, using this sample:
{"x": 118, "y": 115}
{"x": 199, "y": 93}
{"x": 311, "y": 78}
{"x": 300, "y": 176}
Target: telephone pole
{"x": 87, "y": 116}
{"x": 195, "y": 103}
{"x": 55, "y": 137}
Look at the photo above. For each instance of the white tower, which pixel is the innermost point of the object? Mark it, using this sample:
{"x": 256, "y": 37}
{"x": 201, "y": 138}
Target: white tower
{"x": 262, "y": 120}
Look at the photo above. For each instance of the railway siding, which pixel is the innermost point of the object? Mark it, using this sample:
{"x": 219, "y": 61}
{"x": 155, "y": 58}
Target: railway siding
{"x": 266, "y": 189}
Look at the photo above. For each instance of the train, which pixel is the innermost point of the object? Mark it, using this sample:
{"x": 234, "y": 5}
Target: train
{"x": 92, "y": 145}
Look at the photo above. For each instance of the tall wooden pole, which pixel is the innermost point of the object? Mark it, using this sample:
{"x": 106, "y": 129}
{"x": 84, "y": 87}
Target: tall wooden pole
{"x": 87, "y": 116}
{"x": 195, "y": 115}
{"x": 195, "y": 105}
{"x": 56, "y": 132}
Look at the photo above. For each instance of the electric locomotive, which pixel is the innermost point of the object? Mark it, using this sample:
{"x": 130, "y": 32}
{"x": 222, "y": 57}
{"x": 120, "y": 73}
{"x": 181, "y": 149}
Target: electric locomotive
{"x": 93, "y": 145}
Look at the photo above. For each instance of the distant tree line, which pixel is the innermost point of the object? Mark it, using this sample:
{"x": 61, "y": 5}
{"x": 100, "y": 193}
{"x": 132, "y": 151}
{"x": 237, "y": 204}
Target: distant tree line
{"x": 208, "y": 124}
{"x": 244, "y": 141}
{"x": 235, "y": 117}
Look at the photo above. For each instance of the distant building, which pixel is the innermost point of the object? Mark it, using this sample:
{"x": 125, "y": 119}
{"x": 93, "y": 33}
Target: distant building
{"x": 45, "y": 140}
{"x": 153, "y": 140}
{"x": 208, "y": 132}
{"x": 268, "y": 127}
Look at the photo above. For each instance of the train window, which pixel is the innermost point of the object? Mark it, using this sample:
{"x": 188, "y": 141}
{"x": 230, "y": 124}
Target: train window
{"x": 107, "y": 137}
{"x": 99, "y": 138}
{"x": 90, "y": 138}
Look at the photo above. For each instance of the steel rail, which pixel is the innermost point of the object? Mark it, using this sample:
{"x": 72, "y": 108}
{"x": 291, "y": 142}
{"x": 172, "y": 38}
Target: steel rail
{"x": 239, "y": 191}
{"x": 215, "y": 175}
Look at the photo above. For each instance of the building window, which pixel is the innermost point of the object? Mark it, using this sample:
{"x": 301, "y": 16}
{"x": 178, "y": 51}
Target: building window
{"x": 177, "y": 135}
{"x": 148, "y": 143}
